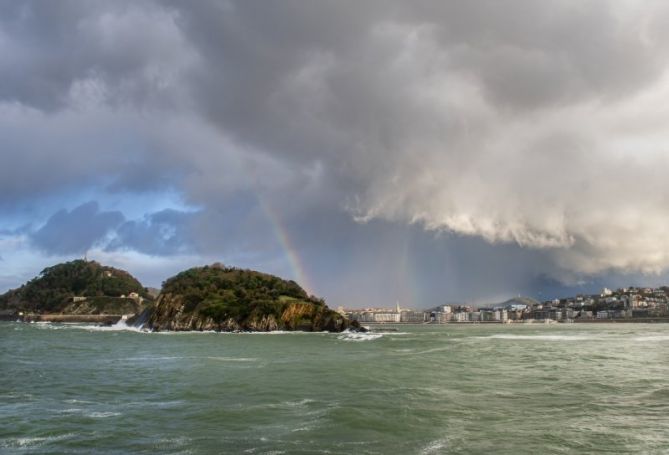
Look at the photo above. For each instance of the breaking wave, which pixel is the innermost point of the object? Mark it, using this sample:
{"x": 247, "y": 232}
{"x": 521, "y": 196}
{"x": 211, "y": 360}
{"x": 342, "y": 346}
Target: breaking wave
{"x": 435, "y": 447}
{"x": 359, "y": 336}
{"x": 120, "y": 326}
{"x": 539, "y": 337}
{"x": 653, "y": 338}
{"x": 32, "y": 442}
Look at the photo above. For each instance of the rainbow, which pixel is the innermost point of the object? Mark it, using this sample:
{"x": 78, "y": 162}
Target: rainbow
{"x": 291, "y": 252}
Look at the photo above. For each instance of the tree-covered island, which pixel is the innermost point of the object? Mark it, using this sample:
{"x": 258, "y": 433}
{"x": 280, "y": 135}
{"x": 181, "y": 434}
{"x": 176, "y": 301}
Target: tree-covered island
{"x": 212, "y": 297}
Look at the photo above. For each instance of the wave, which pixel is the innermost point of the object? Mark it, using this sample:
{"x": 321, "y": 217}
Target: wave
{"x": 233, "y": 359}
{"x": 101, "y": 415}
{"x": 653, "y": 338}
{"x": 292, "y": 404}
{"x": 218, "y": 358}
{"x": 120, "y": 326}
{"x": 435, "y": 447}
{"x": 31, "y": 442}
{"x": 429, "y": 351}
{"x": 359, "y": 336}
{"x": 539, "y": 337}
{"x": 75, "y": 401}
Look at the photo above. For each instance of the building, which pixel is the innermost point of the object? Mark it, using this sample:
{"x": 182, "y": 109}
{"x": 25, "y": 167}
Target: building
{"x": 391, "y": 316}
{"x": 441, "y": 318}
{"x": 604, "y": 314}
{"x": 378, "y": 315}
{"x": 416, "y": 317}
{"x": 460, "y": 317}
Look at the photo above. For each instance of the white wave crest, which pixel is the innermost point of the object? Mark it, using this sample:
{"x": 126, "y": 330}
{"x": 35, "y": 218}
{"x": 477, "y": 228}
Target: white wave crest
{"x": 101, "y": 415}
{"x": 653, "y": 338}
{"x": 539, "y": 337}
{"x": 31, "y": 442}
{"x": 359, "y": 336}
{"x": 120, "y": 326}
{"x": 435, "y": 447}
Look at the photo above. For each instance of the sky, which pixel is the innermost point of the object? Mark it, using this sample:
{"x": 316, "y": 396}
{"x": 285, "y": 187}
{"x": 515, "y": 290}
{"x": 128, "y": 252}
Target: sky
{"x": 425, "y": 152}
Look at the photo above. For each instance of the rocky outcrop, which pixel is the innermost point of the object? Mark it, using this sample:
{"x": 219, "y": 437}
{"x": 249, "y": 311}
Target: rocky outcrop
{"x": 171, "y": 313}
{"x": 229, "y": 299}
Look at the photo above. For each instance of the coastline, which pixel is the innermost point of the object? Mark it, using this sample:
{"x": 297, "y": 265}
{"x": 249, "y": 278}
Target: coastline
{"x": 650, "y": 320}
{"x": 107, "y": 319}
{"x": 111, "y": 319}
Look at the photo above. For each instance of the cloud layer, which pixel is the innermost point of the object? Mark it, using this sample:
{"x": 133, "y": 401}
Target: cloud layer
{"x": 539, "y": 128}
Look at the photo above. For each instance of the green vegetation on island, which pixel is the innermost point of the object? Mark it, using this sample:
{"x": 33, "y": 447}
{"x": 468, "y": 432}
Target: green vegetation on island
{"x": 229, "y": 299}
{"x": 78, "y": 287}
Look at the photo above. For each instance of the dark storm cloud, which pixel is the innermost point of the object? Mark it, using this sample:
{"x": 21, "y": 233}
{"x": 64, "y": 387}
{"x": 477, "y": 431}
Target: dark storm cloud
{"x": 522, "y": 131}
{"x": 163, "y": 233}
{"x": 75, "y": 231}
{"x": 513, "y": 121}
{"x": 52, "y": 50}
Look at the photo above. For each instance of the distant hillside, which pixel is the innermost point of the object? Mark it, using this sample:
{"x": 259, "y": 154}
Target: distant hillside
{"x": 518, "y": 301}
{"x": 95, "y": 287}
{"x": 221, "y": 298}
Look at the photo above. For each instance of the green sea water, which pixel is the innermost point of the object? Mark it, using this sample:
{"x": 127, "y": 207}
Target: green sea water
{"x": 478, "y": 389}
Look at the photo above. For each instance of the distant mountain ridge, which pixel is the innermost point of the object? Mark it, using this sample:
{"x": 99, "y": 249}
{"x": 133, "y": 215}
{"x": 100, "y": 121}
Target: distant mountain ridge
{"x": 520, "y": 300}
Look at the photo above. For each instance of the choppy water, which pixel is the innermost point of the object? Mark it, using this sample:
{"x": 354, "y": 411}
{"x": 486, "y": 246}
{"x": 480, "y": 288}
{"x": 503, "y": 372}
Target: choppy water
{"x": 425, "y": 390}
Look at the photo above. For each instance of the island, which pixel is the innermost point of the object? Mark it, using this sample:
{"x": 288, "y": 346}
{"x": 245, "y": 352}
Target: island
{"x": 229, "y": 299}
{"x": 213, "y": 297}
{"x": 76, "y": 291}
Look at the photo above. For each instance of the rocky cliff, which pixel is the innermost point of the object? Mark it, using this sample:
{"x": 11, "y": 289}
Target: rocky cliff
{"x": 228, "y": 299}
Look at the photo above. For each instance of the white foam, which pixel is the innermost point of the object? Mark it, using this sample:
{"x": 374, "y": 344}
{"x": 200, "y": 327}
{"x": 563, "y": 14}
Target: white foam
{"x": 221, "y": 359}
{"x": 359, "y": 336}
{"x": 75, "y": 401}
{"x": 653, "y": 338}
{"x": 233, "y": 359}
{"x": 539, "y": 337}
{"x": 120, "y": 326}
{"x": 434, "y": 447}
{"x": 71, "y": 411}
{"x": 430, "y": 351}
{"x": 293, "y": 404}
{"x": 28, "y": 442}
{"x": 102, "y": 415}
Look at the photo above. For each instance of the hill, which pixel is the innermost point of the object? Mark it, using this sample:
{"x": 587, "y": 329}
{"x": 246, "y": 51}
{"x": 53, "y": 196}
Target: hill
{"x": 78, "y": 287}
{"x": 230, "y": 299}
{"x": 528, "y": 301}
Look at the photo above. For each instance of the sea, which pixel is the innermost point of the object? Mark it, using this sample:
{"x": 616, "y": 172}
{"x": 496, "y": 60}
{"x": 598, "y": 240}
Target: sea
{"x": 431, "y": 389}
